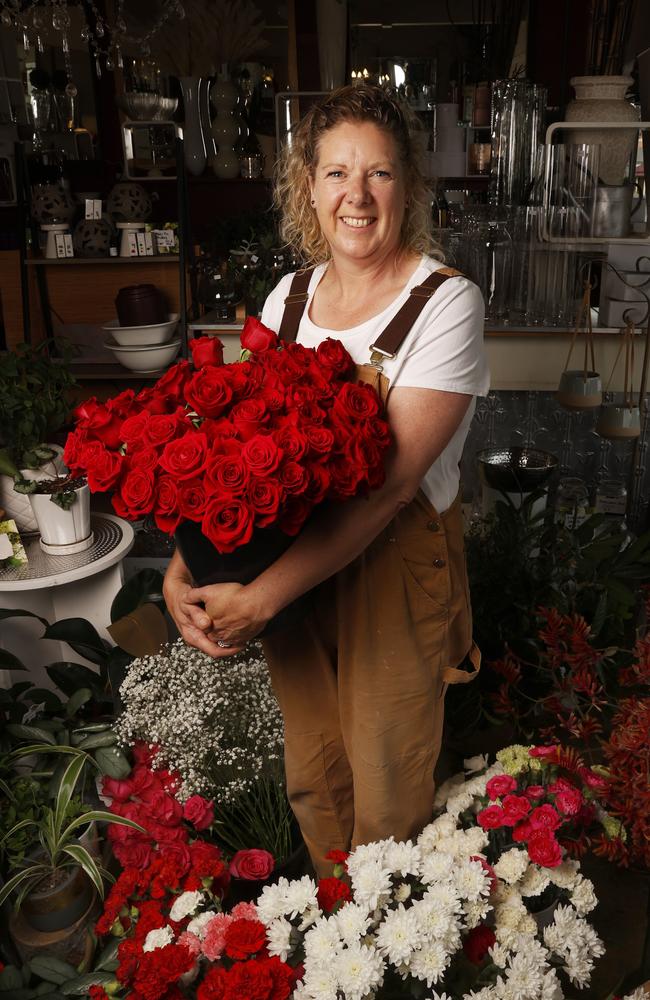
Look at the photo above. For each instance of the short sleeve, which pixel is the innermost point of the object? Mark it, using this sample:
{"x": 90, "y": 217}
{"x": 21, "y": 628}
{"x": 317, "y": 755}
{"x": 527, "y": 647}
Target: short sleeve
{"x": 446, "y": 348}
{"x": 273, "y": 307}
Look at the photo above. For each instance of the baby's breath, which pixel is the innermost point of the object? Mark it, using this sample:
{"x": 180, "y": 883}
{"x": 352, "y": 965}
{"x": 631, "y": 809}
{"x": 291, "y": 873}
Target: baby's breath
{"x": 216, "y": 722}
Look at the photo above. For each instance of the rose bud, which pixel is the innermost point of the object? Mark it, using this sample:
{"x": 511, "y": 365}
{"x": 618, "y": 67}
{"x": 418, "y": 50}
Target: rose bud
{"x": 206, "y": 351}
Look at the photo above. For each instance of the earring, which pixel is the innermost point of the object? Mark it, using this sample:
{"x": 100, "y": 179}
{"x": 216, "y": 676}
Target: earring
{"x": 313, "y": 201}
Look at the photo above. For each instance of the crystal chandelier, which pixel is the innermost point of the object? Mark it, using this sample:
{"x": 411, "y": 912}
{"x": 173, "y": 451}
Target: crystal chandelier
{"x": 105, "y": 39}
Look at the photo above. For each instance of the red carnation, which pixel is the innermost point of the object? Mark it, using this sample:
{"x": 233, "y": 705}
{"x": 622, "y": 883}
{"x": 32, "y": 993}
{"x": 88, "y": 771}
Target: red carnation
{"x": 244, "y": 938}
{"x": 214, "y": 984}
{"x": 338, "y": 857}
{"x": 515, "y": 808}
{"x": 543, "y": 849}
{"x": 332, "y": 891}
{"x": 545, "y": 817}
{"x": 500, "y": 785}
{"x": 491, "y": 818}
{"x": 478, "y": 943}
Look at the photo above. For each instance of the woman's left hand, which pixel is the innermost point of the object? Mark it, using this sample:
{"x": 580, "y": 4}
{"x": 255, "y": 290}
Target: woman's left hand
{"x": 235, "y": 617}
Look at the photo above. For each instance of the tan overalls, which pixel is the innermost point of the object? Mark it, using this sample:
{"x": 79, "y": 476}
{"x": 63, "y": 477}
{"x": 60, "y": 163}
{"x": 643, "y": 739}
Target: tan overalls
{"x": 361, "y": 680}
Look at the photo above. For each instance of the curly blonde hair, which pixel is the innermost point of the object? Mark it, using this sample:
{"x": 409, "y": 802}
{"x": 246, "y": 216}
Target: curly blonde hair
{"x": 299, "y": 226}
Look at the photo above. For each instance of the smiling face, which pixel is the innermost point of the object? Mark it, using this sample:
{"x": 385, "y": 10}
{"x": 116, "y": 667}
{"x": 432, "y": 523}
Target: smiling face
{"x": 359, "y": 191}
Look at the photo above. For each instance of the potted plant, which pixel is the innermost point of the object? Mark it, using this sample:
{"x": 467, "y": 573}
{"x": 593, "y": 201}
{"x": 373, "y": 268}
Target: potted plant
{"x": 61, "y": 508}
{"x": 55, "y": 886}
{"x": 34, "y": 391}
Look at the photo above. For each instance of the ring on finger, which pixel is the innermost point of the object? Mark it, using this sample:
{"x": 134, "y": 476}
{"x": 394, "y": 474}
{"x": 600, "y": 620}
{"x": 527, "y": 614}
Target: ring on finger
{"x": 223, "y": 644}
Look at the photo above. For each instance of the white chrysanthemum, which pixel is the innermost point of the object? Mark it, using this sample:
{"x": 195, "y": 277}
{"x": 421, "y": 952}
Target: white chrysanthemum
{"x": 583, "y": 896}
{"x": 524, "y": 976}
{"x": 564, "y": 875}
{"x": 273, "y": 901}
{"x": 185, "y": 904}
{"x": 499, "y": 955}
{"x": 433, "y": 920}
{"x": 352, "y": 922}
{"x": 278, "y": 936}
{"x": 486, "y": 993}
{"x": 459, "y": 802}
{"x": 158, "y": 938}
{"x": 445, "y": 896}
{"x": 300, "y": 895}
{"x": 508, "y": 895}
{"x": 471, "y": 879}
{"x": 507, "y": 937}
{"x": 402, "y": 892}
{"x": 578, "y": 966}
{"x": 551, "y": 986}
{"x": 403, "y": 858}
{"x": 320, "y": 982}
{"x": 429, "y": 962}
{"x": 478, "y": 763}
{"x": 509, "y": 915}
{"x": 476, "y": 840}
{"x": 359, "y": 970}
{"x": 436, "y": 866}
{"x": 397, "y": 935}
{"x": 309, "y": 917}
{"x": 198, "y": 924}
{"x": 370, "y": 882}
{"x": 511, "y": 865}
{"x": 364, "y": 854}
{"x": 534, "y": 881}
{"x": 321, "y": 941}
{"x": 475, "y": 910}
{"x": 446, "y": 789}
{"x": 638, "y": 994}
{"x": 528, "y": 925}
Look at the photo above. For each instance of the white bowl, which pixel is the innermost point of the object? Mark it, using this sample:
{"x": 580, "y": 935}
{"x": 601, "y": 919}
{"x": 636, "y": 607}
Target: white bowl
{"x": 145, "y": 359}
{"x": 142, "y": 336}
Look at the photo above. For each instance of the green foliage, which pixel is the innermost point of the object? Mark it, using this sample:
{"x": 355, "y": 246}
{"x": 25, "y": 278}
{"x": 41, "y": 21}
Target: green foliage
{"x": 34, "y": 402}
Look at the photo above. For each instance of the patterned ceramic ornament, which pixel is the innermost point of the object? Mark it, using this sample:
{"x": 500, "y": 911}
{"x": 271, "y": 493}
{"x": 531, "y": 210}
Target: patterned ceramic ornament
{"x": 51, "y": 203}
{"x": 92, "y": 238}
{"x": 128, "y": 202}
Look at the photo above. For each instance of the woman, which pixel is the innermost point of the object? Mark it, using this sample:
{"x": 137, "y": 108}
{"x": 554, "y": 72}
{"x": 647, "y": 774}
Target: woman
{"x": 361, "y": 680}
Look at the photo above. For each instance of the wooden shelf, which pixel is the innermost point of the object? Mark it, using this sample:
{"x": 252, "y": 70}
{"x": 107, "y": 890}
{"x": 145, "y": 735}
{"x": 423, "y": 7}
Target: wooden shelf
{"x": 91, "y": 371}
{"x": 71, "y": 261}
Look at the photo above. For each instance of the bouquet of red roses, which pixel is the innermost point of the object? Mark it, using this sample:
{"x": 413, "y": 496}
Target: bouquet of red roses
{"x": 235, "y": 447}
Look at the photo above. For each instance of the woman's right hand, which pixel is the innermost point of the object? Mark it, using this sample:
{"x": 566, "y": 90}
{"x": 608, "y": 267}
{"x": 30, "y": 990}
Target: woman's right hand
{"x": 190, "y": 617}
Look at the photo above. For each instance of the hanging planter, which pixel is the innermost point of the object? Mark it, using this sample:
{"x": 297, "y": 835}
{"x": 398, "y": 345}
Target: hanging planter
{"x": 61, "y": 509}
{"x": 622, "y": 420}
{"x": 581, "y": 389}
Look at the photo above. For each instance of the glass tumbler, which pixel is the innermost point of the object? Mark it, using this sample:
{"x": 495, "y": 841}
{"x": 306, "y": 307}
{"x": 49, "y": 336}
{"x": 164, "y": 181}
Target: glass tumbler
{"x": 490, "y": 266}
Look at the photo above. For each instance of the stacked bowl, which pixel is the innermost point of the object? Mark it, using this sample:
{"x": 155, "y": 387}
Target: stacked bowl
{"x": 141, "y": 337}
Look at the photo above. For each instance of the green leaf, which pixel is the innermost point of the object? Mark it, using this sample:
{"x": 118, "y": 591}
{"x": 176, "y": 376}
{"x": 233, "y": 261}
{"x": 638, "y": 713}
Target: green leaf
{"x": 108, "y": 955}
{"x": 20, "y": 825}
{"x": 101, "y": 816}
{"x": 40, "y": 748}
{"x": 10, "y": 979}
{"x": 81, "y": 636}
{"x": 67, "y": 787}
{"x": 79, "y": 986}
{"x": 600, "y": 614}
{"x": 15, "y": 613}
{"x": 112, "y": 762}
{"x": 21, "y": 732}
{"x": 51, "y": 969}
{"x": 142, "y": 588}
{"x": 79, "y": 854}
{"x": 10, "y": 662}
{"x": 69, "y": 677}
{"x": 31, "y": 874}
{"x": 79, "y": 698}
{"x": 44, "y": 696}
{"x": 94, "y": 740}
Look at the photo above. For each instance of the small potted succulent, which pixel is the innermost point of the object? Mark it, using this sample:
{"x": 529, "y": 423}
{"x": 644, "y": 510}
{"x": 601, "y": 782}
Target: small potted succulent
{"x": 61, "y": 509}
{"x": 34, "y": 402}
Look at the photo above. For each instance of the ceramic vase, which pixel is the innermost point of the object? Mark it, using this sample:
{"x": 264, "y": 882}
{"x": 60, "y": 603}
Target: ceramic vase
{"x": 193, "y": 141}
{"x": 225, "y": 130}
{"x": 602, "y": 98}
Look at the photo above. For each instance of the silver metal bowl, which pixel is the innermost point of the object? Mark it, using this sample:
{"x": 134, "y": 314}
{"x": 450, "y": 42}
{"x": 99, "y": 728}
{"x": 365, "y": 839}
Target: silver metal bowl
{"x": 147, "y": 107}
{"x": 516, "y": 470}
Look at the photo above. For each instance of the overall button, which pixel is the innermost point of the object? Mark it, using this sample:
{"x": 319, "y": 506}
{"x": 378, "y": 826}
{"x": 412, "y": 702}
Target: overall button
{"x": 439, "y": 563}
{"x": 433, "y": 526}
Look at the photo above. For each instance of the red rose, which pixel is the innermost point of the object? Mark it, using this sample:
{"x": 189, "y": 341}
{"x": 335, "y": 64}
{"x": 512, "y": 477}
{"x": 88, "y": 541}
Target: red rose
{"x": 500, "y": 785}
{"x": 515, "y": 808}
{"x": 199, "y": 812}
{"x": 113, "y": 788}
{"x": 265, "y": 497}
{"x": 186, "y": 456}
{"x": 318, "y": 483}
{"x": 161, "y": 428}
{"x": 244, "y": 937}
{"x": 294, "y": 514}
{"x": 256, "y": 337}
{"x": 227, "y": 474}
{"x": 102, "y": 467}
{"x": 164, "y": 808}
{"x": 137, "y": 853}
{"x": 133, "y": 430}
{"x": 252, "y": 864}
{"x": 331, "y": 891}
{"x": 356, "y": 402}
{"x": 101, "y": 421}
{"x": 293, "y": 477}
{"x": 206, "y": 351}
{"x": 177, "y": 853}
{"x": 491, "y": 818}
{"x": 261, "y": 455}
{"x": 208, "y": 392}
{"x": 228, "y": 523}
{"x": 191, "y": 499}
{"x": 320, "y": 439}
{"x": 166, "y": 513}
{"x": 345, "y": 477}
{"x": 74, "y": 444}
{"x": 170, "y": 386}
{"x": 249, "y": 417}
{"x": 135, "y": 496}
{"x": 545, "y": 817}
{"x": 292, "y": 441}
{"x": 543, "y": 849}
{"x": 478, "y": 942}
{"x": 333, "y": 357}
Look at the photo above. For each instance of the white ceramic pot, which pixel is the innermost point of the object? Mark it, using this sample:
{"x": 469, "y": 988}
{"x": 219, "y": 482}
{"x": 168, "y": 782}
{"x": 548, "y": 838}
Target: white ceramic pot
{"x": 619, "y": 421}
{"x": 63, "y": 531}
{"x": 578, "y": 391}
{"x": 17, "y": 505}
{"x": 602, "y": 99}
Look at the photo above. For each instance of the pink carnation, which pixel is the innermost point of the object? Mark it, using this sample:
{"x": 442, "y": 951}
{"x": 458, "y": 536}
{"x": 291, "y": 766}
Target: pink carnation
{"x": 491, "y": 818}
{"x": 245, "y": 911}
{"x": 515, "y": 808}
{"x": 191, "y": 942}
{"x": 214, "y": 938}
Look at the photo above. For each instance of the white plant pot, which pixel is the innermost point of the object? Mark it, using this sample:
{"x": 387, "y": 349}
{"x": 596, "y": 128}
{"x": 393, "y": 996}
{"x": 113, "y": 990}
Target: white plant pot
{"x": 17, "y": 505}
{"x": 63, "y": 531}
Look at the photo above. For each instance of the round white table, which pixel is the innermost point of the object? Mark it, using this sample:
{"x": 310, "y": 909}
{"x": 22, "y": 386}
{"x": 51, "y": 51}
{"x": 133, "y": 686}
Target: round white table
{"x": 82, "y": 585}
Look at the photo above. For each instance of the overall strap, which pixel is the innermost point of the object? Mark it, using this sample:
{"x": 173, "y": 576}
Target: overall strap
{"x": 391, "y": 338}
{"x": 294, "y": 305}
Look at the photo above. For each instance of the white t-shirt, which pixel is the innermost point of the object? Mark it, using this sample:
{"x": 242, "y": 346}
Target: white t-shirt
{"x": 443, "y": 350}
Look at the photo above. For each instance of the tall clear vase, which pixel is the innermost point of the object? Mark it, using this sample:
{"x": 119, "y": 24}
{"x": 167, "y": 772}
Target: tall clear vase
{"x": 193, "y": 141}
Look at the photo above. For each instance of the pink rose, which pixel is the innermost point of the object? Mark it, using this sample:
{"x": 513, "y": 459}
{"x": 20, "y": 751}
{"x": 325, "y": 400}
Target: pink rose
{"x": 199, "y": 812}
{"x": 500, "y": 785}
{"x": 253, "y": 864}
